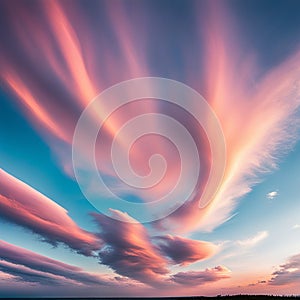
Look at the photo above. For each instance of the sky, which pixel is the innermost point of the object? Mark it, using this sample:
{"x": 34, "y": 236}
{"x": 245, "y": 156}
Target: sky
{"x": 149, "y": 148}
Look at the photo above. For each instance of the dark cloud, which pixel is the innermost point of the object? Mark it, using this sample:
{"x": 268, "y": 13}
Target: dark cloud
{"x": 184, "y": 251}
{"x": 129, "y": 251}
{"x": 37, "y": 268}
{"x": 193, "y": 278}
{"x": 258, "y": 283}
{"x": 288, "y": 273}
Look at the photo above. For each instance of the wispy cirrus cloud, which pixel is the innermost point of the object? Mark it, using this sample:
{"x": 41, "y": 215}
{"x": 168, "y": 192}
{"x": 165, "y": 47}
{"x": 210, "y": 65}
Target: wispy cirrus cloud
{"x": 23, "y": 205}
{"x": 254, "y": 240}
{"x": 234, "y": 89}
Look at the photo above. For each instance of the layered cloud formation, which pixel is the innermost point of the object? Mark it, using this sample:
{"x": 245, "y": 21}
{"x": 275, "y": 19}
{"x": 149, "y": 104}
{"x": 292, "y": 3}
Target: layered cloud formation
{"x": 126, "y": 247}
{"x": 288, "y": 273}
{"x": 130, "y": 251}
{"x": 20, "y": 265}
{"x": 255, "y": 106}
{"x": 30, "y": 266}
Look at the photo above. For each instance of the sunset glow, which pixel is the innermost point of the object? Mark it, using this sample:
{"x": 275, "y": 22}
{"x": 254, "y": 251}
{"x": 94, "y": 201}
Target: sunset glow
{"x": 228, "y": 136}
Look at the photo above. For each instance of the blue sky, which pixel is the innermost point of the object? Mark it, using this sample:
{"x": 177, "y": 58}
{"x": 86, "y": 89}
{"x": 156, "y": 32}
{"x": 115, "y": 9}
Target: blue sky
{"x": 241, "y": 56}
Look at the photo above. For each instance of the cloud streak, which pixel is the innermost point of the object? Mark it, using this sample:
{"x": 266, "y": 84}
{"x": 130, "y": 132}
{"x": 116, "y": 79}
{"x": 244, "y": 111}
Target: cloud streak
{"x": 184, "y": 251}
{"x": 128, "y": 250}
{"x": 194, "y": 278}
{"x": 23, "y": 205}
{"x": 34, "y": 267}
{"x": 125, "y": 247}
{"x": 253, "y": 241}
{"x": 270, "y": 101}
{"x": 288, "y": 273}
{"x": 233, "y": 89}
{"x": 255, "y": 107}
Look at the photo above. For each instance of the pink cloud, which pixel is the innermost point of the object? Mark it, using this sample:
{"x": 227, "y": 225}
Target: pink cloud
{"x": 23, "y": 205}
{"x": 184, "y": 251}
{"x": 255, "y": 113}
{"x": 33, "y": 267}
{"x": 70, "y": 59}
{"x": 125, "y": 247}
{"x": 288, "y": 273}
{"x": 128, "y": 250}
{"x": 193, "y": 278}
{"x": 19, "y": 273}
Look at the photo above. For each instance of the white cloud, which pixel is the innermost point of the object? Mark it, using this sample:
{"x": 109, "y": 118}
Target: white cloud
{"x": 272, "y": 195}
{"x": 252, "y": 241}
{"x": 296, "y": 226}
